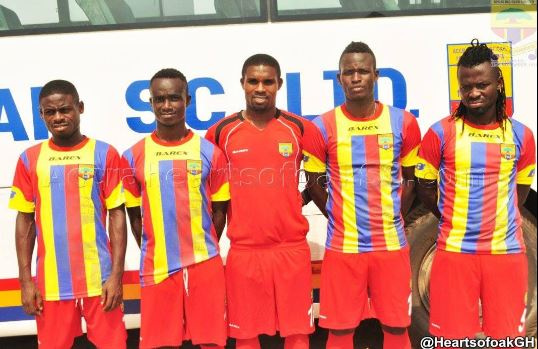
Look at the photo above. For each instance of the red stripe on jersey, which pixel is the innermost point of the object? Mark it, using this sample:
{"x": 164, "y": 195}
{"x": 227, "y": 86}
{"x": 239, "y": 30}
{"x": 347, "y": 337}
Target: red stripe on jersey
{"x": 450, "y": 189}
{"x": 374, "y": 193}
{"x": 74, "y": 230}
{"x": 337, "y": 208}
{"x": 489, "y": 203}
{"x": 184, "y": 226}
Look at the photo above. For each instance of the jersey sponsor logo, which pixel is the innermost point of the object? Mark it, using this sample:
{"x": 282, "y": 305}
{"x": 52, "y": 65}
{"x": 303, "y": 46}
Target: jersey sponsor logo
{"x": 64, "y": 158}
{"x": 363, "y": 128}
{"x": 194, "y": 167}
{"x": 483, "y": 135}
{"x": 285, "y": 149}
{"x": 508, "y": 151}
{"x": 86, "y": 171}
{"x": 385, "y": 141}
{"x": 168, "y": 153}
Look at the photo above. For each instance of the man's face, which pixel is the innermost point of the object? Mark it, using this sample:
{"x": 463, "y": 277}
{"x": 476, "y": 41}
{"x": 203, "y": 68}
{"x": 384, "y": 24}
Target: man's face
{"x": 61, "y": 113}
{"x": 479, "y": 88}
{"x": 358, "y": 76}
{"x": 169, "y": 100}
{"x": 261, "y": 84}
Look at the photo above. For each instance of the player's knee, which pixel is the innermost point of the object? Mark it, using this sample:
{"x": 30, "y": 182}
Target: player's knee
{"x": 342, "y": 332}
{"x": 394, "y": 330}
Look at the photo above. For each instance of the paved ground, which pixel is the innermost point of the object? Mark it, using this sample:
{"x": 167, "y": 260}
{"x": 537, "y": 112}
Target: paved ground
{"x": 368, "y": 335}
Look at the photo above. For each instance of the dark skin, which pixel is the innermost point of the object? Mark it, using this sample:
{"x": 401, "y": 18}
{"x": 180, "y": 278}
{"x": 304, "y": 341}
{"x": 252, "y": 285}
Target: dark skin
{"x": 261, "y": 84}
{"x": 169, "y": 100}
{"x": 479, "y": 89}
{"x": 61, "y": 113}
{"x": 357, "y": 77}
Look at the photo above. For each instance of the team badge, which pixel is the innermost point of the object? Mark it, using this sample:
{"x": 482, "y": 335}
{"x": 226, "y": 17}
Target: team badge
{"x": 421, "y": 166}
{"x": 385, "y": 141}
{"x": 285, "y": 149}
{"x": 508, "y": 151}
{"x": 86, "y": 172}
{"x": 194, "y": 167}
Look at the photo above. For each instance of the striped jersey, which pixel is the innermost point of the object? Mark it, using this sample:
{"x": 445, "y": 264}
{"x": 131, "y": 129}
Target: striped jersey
{"x": 266, "y": 205}
{"x": 174, "y": 183}
{"x": 478, "y": 168}
{"x": 70, "y": 191}
{"x": 363, "y": 158}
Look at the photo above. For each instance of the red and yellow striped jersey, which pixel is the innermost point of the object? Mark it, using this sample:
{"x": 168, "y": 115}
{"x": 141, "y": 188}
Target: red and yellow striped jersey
{"x": 478, "y": 168}
{"x": 174, "y": 183}
{"x": 70, "y": 190}
{"x": 363, "y": 159}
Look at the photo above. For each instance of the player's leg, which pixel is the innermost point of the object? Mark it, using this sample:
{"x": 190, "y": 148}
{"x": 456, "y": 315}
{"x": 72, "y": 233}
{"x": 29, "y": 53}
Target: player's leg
{"x": 504, "y": 292}
{"x": 205, "y": 303}
{"x": 160, "y": 304}
{"x": 454, "y": 295}
{"x": 58, "y": 324}
{"x": 105, "y": 329}
{"x": 343, "y": 296}
{"x": 250, "y": 296}
{"x": 389, "y": 282}
{"x": 292, "y": 273}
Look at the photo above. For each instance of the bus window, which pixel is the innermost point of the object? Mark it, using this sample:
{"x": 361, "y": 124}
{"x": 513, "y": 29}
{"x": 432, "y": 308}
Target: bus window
{"x": 309, "y": 9}
{"x": 53, "y": 16}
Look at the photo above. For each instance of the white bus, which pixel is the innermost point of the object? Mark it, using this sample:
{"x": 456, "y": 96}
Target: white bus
{"x": 110, "y": 48}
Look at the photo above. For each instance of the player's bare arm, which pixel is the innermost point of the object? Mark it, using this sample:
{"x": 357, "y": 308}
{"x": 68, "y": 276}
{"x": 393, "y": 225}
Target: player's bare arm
{"x": 522, "y": 193}
{"x": 135, "y": 218}
{"x": 25, "y": 235}
{"x": 219, "y": 209}
{"x": 427, "y": 193}
{"x": 316, "y": 188}
{"x": 408, "y": 188}
{"x": 112, "y": 295}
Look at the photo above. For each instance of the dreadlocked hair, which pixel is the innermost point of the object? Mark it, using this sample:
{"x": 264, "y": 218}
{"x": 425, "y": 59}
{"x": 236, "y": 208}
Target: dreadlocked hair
{"x": 474, "y": 55}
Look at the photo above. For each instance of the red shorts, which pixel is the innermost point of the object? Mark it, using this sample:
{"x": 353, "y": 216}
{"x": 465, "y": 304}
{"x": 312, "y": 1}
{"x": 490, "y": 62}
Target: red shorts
{"x": 269, "y": 290}
{"x": 349, "y": 279}
{"x": 190, "y": 304}
{"x": 459, "y": 280}
{"x": 60, "y": 323}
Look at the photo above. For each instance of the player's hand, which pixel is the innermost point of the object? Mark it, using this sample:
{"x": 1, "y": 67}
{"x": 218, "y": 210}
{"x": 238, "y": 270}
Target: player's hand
{"x": 31, "y": 299}
{"x": 112, "y": 295}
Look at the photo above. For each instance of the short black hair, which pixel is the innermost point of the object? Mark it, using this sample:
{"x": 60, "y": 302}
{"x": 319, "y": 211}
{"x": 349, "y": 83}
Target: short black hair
{"x": 59, "y": 86}
{"x": 261, "y": 59}
{"x": 170, "y": 73}
{"x": 357, "y": 47}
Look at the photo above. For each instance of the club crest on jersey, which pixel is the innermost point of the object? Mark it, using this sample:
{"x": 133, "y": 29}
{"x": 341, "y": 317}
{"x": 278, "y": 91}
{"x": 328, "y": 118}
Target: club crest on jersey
{"x": 385, "y": 141}
{"x": 85, "y": 172}
{"x": 285, "y": 149}
{"x": 508, "y": 151}
{"x": 194, "y": 167}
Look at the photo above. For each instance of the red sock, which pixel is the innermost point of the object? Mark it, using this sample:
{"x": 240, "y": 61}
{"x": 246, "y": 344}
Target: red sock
{"x": 297, "y": 341}
{"x": 251, "y": 343}
{"x": 396, "y": 341}
{"x": 340, "y": 342}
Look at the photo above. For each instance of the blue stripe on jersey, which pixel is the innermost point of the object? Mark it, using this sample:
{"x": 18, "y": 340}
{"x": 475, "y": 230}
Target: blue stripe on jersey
{"x": 168, "y": 204}
{"x": 59, "y": 223}
{"x": 101, "y": 238}
{"x": 360, "y": 178}
{"x": 207, "y": 150}
{"x": 396, "y": 121}
{"x": 476, "y": 190}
